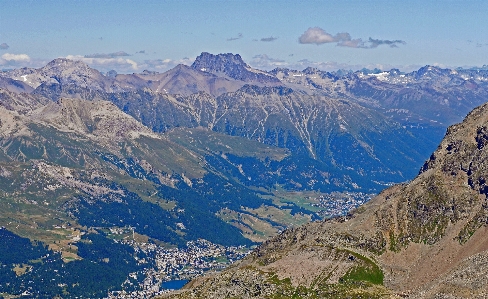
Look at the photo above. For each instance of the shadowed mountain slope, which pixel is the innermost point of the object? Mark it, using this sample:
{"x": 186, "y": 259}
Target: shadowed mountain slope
{"x": 354, "y": 147}
{"x": 425, "y": 239}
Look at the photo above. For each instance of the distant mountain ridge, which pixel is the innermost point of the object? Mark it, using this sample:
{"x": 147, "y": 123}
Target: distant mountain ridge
{"x": 462, "y": 89}
{"x": 418, "y": 104}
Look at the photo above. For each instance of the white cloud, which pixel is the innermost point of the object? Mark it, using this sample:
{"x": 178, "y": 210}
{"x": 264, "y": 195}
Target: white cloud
{"x": 109, "y": 55}
{"x": 13, "y": 61}
{"x": 265, "y": 62}
{"x": 318, "y": 36}
{"x": 353, "y": 43}
{"x": 162, "y": 65}
{"x": 16, "y": 57}
{"x": 108, "y": 63}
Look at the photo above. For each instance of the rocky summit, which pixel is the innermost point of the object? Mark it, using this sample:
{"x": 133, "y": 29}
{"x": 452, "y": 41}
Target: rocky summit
{"x": 424, "y": 239}
{"x": 232, "y": 66}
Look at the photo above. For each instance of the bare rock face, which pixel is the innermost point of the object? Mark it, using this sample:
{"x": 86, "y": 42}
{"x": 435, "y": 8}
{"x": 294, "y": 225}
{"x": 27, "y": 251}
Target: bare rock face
{"x": 232, "y": 66}
{"x": 20, "y": 103}
{"x": 425, "y": 239}
{"x": 100, "y": 119}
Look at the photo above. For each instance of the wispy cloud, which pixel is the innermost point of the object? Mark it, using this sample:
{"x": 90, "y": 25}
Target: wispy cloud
{"x": 334, "y": 66}
{"x": 16, "y": 57}
{"x": 239, "y": 36}
{"x": 477, "y": 43}
{"x": 265, "y": 62}
{"x": 319, "y": 36}
{"x": 269, "y": 39}
{"x": 4, "y": 46}
{"x": 107, "y": 63}
{"x": 9, "y": 60}
{"x": 162, "y": 65}
{"x": 109, "y": 55}
{"x": 373, "y": 43}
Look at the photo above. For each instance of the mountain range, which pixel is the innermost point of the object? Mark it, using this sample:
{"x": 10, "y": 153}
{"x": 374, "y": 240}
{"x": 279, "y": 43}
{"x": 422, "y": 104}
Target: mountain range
{"x": 246, "y": 152}
{"x": 424, "y": 239}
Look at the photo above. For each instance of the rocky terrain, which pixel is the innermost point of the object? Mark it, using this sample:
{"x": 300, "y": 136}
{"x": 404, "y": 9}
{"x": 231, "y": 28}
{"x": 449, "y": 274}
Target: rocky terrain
{"x": 232, "y": 66}
{"x": 424, "y": 239}
{"x": 231, "y": 154}
{"x": 313, "y": 114}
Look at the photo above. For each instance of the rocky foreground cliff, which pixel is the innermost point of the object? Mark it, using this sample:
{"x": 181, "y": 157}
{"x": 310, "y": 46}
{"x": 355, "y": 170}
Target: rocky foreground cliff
{"x": 424, "y": 239}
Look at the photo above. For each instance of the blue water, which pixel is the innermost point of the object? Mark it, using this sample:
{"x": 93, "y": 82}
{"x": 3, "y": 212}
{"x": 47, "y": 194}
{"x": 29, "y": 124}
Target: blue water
{"x": 173, "y": 284}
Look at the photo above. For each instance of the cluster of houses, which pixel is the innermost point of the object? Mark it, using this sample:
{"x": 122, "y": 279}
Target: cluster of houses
{"x": 175, "y": 264}
{"x": 340, "y": 203}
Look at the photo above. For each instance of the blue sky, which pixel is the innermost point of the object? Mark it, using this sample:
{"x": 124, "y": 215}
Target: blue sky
{"x": 130, "y": 36}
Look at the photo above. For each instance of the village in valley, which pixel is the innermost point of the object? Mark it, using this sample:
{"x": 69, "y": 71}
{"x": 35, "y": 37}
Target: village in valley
{"x": 175, "y": 265}
{"x": 201, "y": 256}
{"x": 340, "y": 203}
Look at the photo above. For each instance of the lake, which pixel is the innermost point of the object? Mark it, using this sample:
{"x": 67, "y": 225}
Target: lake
{"x": 174, "y": 284}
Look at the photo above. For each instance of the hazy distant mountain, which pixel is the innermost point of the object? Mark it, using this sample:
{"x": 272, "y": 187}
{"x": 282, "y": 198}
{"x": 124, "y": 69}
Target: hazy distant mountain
{"x": 184, "y": 80}
{"x": 62, "y": 71}
{"x": 429, "y": 97}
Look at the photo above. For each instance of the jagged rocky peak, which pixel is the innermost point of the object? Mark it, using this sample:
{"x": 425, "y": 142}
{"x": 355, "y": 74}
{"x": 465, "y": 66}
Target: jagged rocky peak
{"x": 218, "y": 63}
{"x": 278, "y": 70}
{"x": 430, "y": 72}
{"x": 233, "y": 66}
{"x": 395, "y": 72}
{"x": 310, "y": 70}
{"x": 111, "y": 74}
{"x": 181, "y": 67}
{"x": 146, "y": 72}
